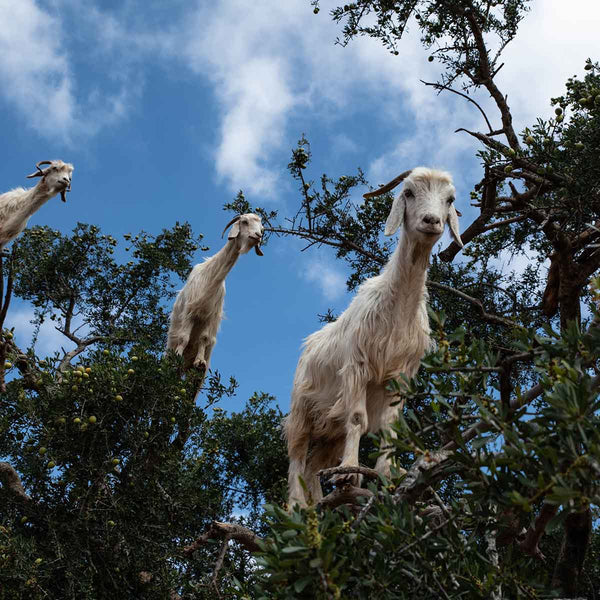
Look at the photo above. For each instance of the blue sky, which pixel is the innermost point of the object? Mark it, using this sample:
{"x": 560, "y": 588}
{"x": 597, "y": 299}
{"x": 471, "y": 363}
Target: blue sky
{"x": 168, "y": 109}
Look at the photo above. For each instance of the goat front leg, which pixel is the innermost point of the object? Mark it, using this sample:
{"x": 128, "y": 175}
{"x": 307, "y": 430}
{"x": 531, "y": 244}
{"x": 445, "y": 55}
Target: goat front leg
{"x": 179, "y": 333}
{"x": 205, "y": 346}
{"x": 355, "y": 401}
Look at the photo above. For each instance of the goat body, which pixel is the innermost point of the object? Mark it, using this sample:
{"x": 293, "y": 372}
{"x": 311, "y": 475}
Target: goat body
{"x": 17, "y": 206}
{"x": 340, "y": 387}
{"x": 198, "y": 309}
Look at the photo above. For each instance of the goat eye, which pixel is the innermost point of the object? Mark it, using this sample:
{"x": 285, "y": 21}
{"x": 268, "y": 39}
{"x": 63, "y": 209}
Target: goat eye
{"x": 409, "y": 193}
{"x": 451, "y": 200}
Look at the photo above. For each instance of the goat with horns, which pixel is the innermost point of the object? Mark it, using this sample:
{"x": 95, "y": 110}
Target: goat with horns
{"x": 16, "y": 206}
{"x": 340, "y": 389}
{"x": 198, "y": 309}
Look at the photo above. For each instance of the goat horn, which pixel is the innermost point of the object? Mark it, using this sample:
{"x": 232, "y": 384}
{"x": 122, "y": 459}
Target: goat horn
{"x": 388, "y": 186}
{"x": 39, "y": 172}
{"x": 230, "y": 223}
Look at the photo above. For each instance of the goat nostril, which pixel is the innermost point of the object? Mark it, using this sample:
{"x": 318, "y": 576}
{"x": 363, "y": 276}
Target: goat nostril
{"x": 431, "y": 220}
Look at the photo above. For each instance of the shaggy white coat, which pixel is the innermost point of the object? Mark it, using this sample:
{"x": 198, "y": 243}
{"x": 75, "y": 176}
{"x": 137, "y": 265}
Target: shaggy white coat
{"x": 340, "y": 387}
{"x": 198, "y": 308}
{"x": 17, "y": 205}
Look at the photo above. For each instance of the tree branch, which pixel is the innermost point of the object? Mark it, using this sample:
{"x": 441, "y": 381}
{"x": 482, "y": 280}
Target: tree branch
{"x": 232, "y": 531}
{"x": 489, "y": 317}
{"x": 440, "y": 87}
{"x": 345, "y": 494}
{"x": 372, "y": 473}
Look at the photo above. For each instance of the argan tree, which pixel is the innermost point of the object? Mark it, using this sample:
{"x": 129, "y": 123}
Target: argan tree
{"x": 109, "y": 466}
{"x": 499, "y": 443}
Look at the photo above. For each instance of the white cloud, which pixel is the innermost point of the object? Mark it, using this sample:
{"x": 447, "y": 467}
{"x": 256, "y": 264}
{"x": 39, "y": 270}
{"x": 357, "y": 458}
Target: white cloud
{"x": 343, "y": 144}
{"x": 34, "y": 67}
{"x": 329, "y": 279}
{"x": 49, "y": 340}
{"x": 276, "y": 64}
{"x": 552, "y": 44}
{"x": 250, "y": 69}
{"x": 38, "y": 78}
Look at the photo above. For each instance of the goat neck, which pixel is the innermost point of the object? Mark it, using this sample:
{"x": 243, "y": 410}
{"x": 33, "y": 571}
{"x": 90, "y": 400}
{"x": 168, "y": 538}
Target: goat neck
{"x": 217, "y": 267}
{"x": 406, "y": 273}
{"x": 36, "y": 197}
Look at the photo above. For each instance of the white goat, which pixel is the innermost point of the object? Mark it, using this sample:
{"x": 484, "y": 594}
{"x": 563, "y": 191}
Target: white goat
{"x": 198, "y": 309}
{"x": 340, "y": 387}
{"x": 16, "y": 206}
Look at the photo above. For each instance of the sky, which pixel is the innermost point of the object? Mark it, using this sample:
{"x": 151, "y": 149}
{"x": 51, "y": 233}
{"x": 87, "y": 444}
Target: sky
{"x": 168, "y": 109}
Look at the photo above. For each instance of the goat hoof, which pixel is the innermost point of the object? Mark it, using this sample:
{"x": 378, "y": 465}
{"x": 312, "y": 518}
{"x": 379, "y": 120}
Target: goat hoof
{"x": 341, "y": 480}
{"x": 200, "y": 364}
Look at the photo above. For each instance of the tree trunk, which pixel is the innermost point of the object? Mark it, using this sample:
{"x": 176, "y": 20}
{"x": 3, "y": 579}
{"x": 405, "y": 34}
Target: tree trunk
{"x": 578, "y": 528}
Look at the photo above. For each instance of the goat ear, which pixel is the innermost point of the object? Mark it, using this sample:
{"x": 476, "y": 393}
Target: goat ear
{"x": 234, "y": 231}
{"x": 396, "y": 216}
{"x": 453, "y": 223}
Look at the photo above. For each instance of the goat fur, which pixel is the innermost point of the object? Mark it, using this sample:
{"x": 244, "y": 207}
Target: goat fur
{"x": 198, "y": 308}
{"x": 17, "y": 205}
{"x": 340, "y": 387}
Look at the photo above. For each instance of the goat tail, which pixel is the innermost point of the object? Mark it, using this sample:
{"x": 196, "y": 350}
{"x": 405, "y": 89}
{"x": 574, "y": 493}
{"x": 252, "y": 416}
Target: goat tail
{"x": 297, "y": 425}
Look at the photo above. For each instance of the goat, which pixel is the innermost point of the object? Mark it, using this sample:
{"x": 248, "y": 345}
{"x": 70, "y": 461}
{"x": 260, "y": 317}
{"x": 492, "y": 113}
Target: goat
{"x": 339, "y": 391}
{"x": 16, "y": 206}
{"x": 198, "y": 309}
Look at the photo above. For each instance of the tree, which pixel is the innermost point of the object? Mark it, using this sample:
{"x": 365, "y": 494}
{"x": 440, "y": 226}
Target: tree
{"x": 498, "y": 445}
{"x": 109, "y": 466}
{"x": 502, "y": 426}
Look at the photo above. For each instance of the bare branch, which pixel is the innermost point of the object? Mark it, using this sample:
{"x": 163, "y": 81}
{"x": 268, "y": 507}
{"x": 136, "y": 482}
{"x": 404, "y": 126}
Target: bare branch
{"x": 219, "y": 564}
{"x": 83, "y": 344}
{"x": 505, "y": 222}
{"x": 346, "y": 494}
{"x": 440, "y": 87}
{"x": 491, "y": 318}
{"x": 372, "y": 473}
{"x": 232, "y": 531}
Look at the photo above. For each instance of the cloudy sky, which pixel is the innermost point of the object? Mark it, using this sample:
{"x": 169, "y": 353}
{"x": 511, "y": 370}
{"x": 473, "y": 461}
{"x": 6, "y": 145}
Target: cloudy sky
{"x": 168, "y": 109}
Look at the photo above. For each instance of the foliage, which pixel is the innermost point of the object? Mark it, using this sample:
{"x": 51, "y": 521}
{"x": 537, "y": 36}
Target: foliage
{"x": 500, "y": 426}
{"x": 124, "y": 462}
{"x": 117, "y": 456}
{"x": 398, "y": 548}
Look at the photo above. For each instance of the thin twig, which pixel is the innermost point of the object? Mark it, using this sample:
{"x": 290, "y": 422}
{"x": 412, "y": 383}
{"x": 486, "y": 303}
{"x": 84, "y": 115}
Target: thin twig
{"x": 440, "y": 87}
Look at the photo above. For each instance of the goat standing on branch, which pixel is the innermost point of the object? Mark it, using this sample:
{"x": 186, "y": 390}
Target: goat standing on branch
{"x": 16, "y": 206}
{"x": 198, "y": 309}
{"x": 340, "y": 387}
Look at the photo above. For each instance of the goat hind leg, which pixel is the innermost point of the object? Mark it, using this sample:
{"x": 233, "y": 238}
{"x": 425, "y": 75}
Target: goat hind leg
{"x": 297, "y": 451}
{"x": 325, "y": 454}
